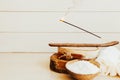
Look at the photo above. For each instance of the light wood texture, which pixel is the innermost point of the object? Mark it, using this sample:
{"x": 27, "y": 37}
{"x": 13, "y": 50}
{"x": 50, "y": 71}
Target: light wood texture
{"x": 38, "y": 42}
{"x": 31, "y": 66}
{"x": 57, "y": 5}
{"x": 29, "y": 25}
{"x": 49, "y": 21}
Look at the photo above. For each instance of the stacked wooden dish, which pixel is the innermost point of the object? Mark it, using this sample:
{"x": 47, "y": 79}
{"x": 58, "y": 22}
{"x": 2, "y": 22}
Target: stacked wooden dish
{"x": 67, "y": 55}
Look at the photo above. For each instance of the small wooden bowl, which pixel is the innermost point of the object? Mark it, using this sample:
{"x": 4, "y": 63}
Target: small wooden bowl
{"x": 82, "y": 76}
{"x": 58, "y": 64}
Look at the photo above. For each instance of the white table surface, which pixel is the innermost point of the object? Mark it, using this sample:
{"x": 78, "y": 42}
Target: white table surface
{"x": 31, "y": 66}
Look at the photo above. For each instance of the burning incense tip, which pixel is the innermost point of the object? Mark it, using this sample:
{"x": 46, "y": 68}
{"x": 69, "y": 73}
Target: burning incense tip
{"x": 61, "y": 20}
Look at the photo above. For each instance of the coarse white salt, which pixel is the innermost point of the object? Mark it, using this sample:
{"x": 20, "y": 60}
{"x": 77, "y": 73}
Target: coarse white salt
{"x": 83, "y": 67}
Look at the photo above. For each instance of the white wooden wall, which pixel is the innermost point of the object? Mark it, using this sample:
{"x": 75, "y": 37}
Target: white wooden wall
{"x": 29, "y": 25}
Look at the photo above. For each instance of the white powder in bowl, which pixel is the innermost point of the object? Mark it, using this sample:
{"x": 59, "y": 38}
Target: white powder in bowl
{"x": 83, "y": 67}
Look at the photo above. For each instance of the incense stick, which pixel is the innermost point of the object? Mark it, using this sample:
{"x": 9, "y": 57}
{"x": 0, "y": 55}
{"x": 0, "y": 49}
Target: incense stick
{"x": 81, "y": 29}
